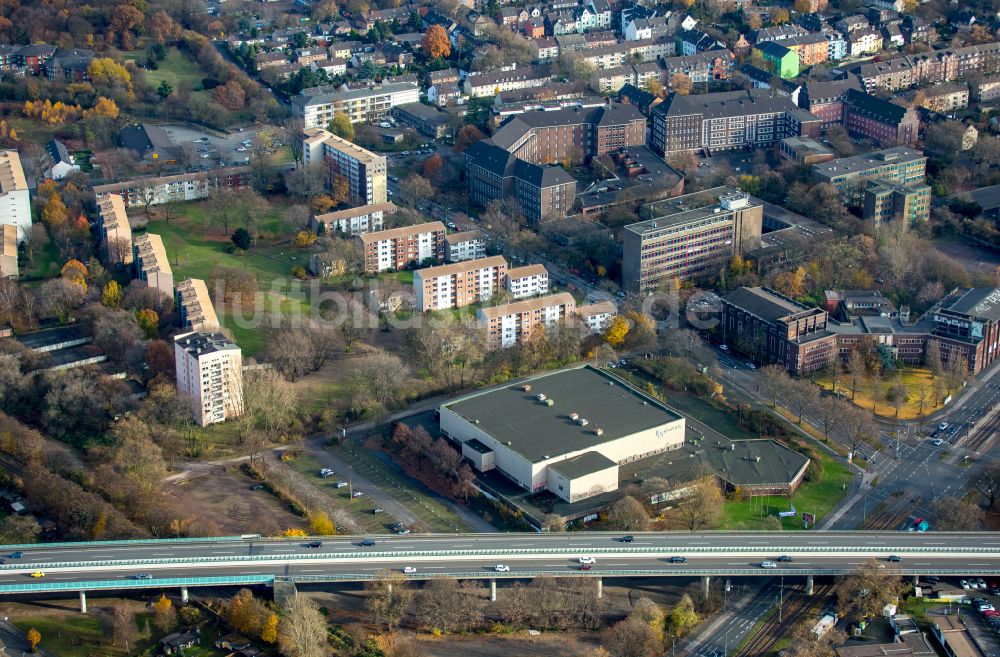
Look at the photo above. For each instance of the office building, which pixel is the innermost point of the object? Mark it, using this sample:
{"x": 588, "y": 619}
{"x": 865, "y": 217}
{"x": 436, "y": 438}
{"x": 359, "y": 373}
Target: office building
{"x": 180, "y": 187}
{"x": 541, "y": 191}
{"x": 686, "y": 239}
{"x": 364, "y": 171}
{"x": 210, "y": 374}
{"x": 885, "y": 123}
{"x": 899, "y": 165}
{"x": 194, "y": 306}
{"x": 15, "y": 201}
{"x": 151, "y": 264}
{"x": 771, "y": 328}
{"x": 354, "y": 221}
{"x": 527, "y": 281}
{"x": 317, "y": 106}
{"x": 459, "y": 284}
{"x": 727, "y": 120}
{"x": 467, "y": 245}
{"x": 886, "y": 201}
{"x": 398, "y": 248}
{"x": 115, "y": 230}
{"x": 8, "y": 251}
{"x": 562, "y": 432}
{"x": 511, "y": 323}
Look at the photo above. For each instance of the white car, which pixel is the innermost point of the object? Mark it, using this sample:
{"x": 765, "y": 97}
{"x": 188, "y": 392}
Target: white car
{"x": 500, "y": 568}
{"x": 357, "y": 493}
{"x": 724, "y": 347}
{"x": 937, "y": 442}
{"x": 342, "y": 484}
{"x": 590, "y": 560}
{"x": 409, "y": 570}
{"x": 964, "y": 584}
{"x": 768, "y": 564}
{"x": 943, "y": 426}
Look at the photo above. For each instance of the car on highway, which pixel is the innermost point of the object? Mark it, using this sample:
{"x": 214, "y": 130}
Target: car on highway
{"x": 585, "y": 566}
{"x": 15, "y": 555}
{"x": 768, "y": 564}
{"x": 678, "y": 559}
{"x": 943, "y": 426}
{"x": 626, "y": 539}
{"x": 409, "y": 570}
{"x": 785, "y": 559}
{"x": 590, "y": 560}
{"x": 142, "y": 576}
{"x": 314, "y": 544}
{"x": 501, "y": 568}
{"x": 38, "y": 573}
{"x": 368, "y": 542}
{"x": 894, "y": 559}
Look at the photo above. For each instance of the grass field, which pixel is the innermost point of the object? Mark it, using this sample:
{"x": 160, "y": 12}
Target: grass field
{"x": 436, "y": 515}
{"x": 913, "y": 378}
{"x": 817, "y": 498}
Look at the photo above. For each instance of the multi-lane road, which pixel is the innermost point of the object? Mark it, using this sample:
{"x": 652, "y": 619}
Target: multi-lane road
{"x": 476, "y": 556}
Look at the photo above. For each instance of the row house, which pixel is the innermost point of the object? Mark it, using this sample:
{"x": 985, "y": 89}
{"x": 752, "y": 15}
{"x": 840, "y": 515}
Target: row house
{"x": 34, "y": 57}
{"x": 266, "y": 60}
{"x": 851, "y": 23}
{"x": 547, "y": 49}
{"x": 888, "y": 124}
{"x": 929, "y": 68}
{"x": 646, "y": 28}
{"x": 944, "y": 98}
{"x": 490, "y": 84}
{"x": 114, "y": 230}
{"x": 777, "y": 33}
{"x": 151, "y": 264}
{"x": 987, "y": 89}
{"x": 193, "y": 186}
{"x": 345, "y": 49}
{"x": 611, "y": 80}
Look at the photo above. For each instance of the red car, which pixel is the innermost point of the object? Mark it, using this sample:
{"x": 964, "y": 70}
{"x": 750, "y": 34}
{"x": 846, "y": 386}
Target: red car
{"x": 585, "y": 566}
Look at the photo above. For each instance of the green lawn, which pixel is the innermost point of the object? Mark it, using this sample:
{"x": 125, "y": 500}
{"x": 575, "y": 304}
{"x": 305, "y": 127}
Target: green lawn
{"x": 176, "y": 68}
{"x": 817, "y": 498}
{"x": 78, "y": 635}
{"x": 437, "y": 516}
{"x": 46, "y": 263}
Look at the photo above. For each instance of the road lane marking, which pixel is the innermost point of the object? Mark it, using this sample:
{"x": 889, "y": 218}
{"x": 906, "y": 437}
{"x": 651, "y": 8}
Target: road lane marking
{"x": 312, "y": 570}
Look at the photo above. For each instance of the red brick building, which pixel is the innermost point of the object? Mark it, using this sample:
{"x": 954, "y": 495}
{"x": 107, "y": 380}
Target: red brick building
{"x": 400, "y": 247}
{"x": 826, "y": 99}
{"x": 886, "y": 123}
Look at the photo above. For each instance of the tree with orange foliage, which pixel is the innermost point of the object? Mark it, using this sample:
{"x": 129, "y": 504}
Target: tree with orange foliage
{"x": 230, "y": 95}
{"x": 126, "y": 20}
{"x": 105, "y": 107}
{"x": 467, "y": 135}
{"x": 432, "y": 167}
{"x": 162, "y": 27}
{"x": 55, "y": 213}
{"x": 75, "y": 272}
{"x": 436, "y": 43}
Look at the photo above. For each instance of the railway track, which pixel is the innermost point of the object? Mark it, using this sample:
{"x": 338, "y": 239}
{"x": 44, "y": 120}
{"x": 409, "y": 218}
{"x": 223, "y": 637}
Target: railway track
{"x": 763, "y": 639}
{"x": 982, "y": 434}
{"x": 891, "y": 513}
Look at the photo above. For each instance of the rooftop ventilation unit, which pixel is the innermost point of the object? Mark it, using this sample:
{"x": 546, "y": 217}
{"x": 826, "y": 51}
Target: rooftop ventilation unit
{"x": 583, "y": 422}
{"x": 541, "y": 396}
{"x": 574, "y": 416}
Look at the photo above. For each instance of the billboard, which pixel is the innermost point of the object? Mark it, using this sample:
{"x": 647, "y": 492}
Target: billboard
{"x": 808, "y": 517}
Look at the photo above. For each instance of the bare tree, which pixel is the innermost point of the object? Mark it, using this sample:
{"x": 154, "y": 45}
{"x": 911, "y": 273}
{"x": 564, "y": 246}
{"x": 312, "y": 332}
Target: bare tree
{"x": 856, "y": 368}
{"x": 773, "y": 381}
{"x": 702, "y": 507}
{"x": 859, "y": 426}
{"x": 952, "y": 514}
{"x": 988, "y": 483}
{"x": 628, "y": 514}
{"x": 389, "y": 597}
{"x": 302, "y": 632}
{"x": 800, "y": 395}
{"x": 829, "y": 413}
{"x": 866, "y": 591}
{"x": 630, "y": 638}
{"x": 442, "y": 605}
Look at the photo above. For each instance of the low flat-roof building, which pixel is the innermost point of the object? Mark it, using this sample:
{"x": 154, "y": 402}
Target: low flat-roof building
{"x": 804, "y": 150}
{"x": 428, "y": 120}
{"x": 566, "y": 431}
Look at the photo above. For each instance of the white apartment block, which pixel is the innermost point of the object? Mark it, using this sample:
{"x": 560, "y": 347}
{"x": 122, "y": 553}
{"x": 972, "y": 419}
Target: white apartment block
{"x": 508, "y": 324}
{"x": 528, "y": 281}
{"x": 354, "y": 221}
{"x": 115, "y": 230}
{"x": 397, "y": 248}
{"x": 15, "y": 201}
{"x": 194, "y": 306}
{"x": 490, "y": 84}
{"x": 151, "y": 264}
{"x": 210, "y": 374}
{"x": 459, "y": 284}
{"x": 365, "y": 171}
{"x": 467, "y": 245}
{"x": 316, "y": 107}
{"x": 180, "y": 187}
{"x": 597, "y": 316}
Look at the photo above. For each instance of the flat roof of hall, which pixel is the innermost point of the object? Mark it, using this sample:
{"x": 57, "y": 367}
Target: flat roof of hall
{"x": 537, "y": 431}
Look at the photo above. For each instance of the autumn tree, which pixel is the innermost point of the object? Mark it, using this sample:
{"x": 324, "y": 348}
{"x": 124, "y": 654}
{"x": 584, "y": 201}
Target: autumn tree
{"x": 321, "y": 525}
{"x": 436, "y": 43}
{"x": 246, "y": 614}
{"x": 864, "y": 592}
{"x": 164, "y": 614}
{"x": 162, "y": 27}
{"x": 341, "y": 126}
{"x": 467, "y": 135}
{"x": 432, "y": 166}
{"x": 681, "y": 83}
{"x": 617, "y": 331}
{"x": 111, "y": 295}
{"x": 230, "y": 95}
{"x": 630, "y": 638}
{"x": 681, "y": 619}
{"x": 702, "y": 507}
{"x": 302, "y": 632}
{"x": 34, "y": 638}
{"x": 779, "y": 17}
{"x": 269, "y": 633}
{"x": 416, "y": 188}
{"x": 389, "y": 597}
{"x": 628, "y": 514}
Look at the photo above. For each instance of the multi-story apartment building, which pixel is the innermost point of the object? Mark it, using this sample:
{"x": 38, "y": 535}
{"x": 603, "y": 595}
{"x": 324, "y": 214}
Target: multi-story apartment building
{"x": 511, "y": 323}
{"x": 836, "y": 44}
{"x": 688, "y": 240}
{"x": 8, "y": 251}
{"x": 467, "y": 245}
{"x": 527, "y": 281}
{"x": 354, "y": 221}
{"x": 771, "y": 328}
{"x": 490, "y": 84}
{"x": 611, "y": 80}
{"x": 364, "y": 171}
{"x": 929, "y": 67}
{"x": 778, "y": 33}
{"x": 886, "y": 201}
{"x": 727, "y": 120}
{"x": 987, "y": 90}
{"x": 702, "y": 67}
{"x": 114, "y": 229}
{"x": 15, "y": 200}
{"x": 865, "y": 41}
{"x": 597, "y": 316}
{"x": 151, "y": 264}
{"x": 888, "y": 124}
{"x": 180, "y": 187}
{"x": 194, "y": 306}
{"x": 317, "y": 106}
{"x": 459, "y": 284}
{"x": 811, "y": 48}
{"x": 899, "y": 165}
{"x": 210, "y": 374}
{"x": 777, "y": 59}
{"x": 399, "y": 247}
{"x": 826, "y": 99}
{"x": 944, "y": 98}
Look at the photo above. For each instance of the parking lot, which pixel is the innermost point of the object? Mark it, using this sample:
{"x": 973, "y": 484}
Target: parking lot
{"x": 220, "y": 149}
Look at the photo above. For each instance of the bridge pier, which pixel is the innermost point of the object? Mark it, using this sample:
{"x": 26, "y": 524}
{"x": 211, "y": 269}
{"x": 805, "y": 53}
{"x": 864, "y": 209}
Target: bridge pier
{"x": 184, "y": 595}
{"x": 493, "y": 590}
{"x": 916, "y": 580}
{"x": 706, "y": 582}
{"x": 600, "y": 588}
{"x": 83, "y": 602}
{"x": 284, "y": 591}
{"x": 809, "y": 584}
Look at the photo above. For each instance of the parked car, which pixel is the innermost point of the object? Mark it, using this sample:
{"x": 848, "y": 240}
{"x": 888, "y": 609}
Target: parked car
{"x": 342, "y": 484}
{"x": 257, "y": 487}
{"x": 501, "y": 568}
{"x": 378, "y": 510}
{"x": 357, "y": 493}
{"x": 724, "y": 347}
{"x": 937, "y": 442}
{"x": 964, "y": 584}
{"x": 981, "y": 582}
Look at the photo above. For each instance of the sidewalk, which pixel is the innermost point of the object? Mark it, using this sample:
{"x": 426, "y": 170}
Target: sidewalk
{"x": 847, "y": 505}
